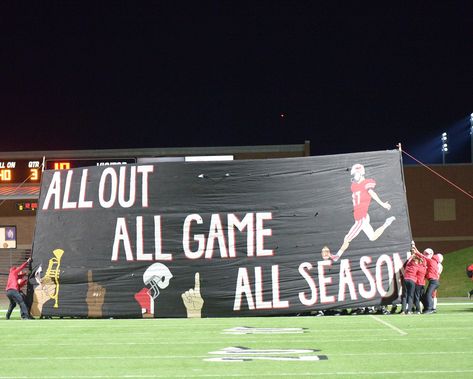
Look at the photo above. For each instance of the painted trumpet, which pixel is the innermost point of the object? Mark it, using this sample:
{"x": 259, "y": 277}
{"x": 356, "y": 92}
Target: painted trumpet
{"x": 52, "y": 273}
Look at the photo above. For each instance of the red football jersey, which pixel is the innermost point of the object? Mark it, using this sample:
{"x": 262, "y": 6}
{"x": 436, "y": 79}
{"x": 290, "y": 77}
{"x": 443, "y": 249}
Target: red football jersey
{"x": 361, "y": 197}
{"x": 143, "y": 299}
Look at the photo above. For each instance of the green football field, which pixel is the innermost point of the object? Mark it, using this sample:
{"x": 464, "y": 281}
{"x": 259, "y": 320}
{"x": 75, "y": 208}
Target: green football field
{"x": 364, "y": 346}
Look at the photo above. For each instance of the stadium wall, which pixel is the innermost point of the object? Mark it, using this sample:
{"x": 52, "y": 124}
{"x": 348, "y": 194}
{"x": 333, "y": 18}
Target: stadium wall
{"x": 440, "y": 213}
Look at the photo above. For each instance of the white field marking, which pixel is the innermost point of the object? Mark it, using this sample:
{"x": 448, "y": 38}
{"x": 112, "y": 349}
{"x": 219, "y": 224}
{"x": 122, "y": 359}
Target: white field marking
{"x": 62, "y": 330}
{"x": 239, "y": 359}
{"x": 158, "y": 323}
{"x": 314, "y": 327}
{"x": 403, "y": 353}
{"x": 470, "y": 303}
{"x": 51, "y": 342}
{"x": 243, "y": 354}
{"x": 337, "y": 335}
{"x": 400, "y": 338}
{"x": 256, "y": 330}
{"x": 401, "y": 332}
{"x": 270, "y": 375}
{"x": 361, "y": 325}
{"x": 204, "y": 322}
{"x": 245, "y": 351}
{"x": 181, "y": 357}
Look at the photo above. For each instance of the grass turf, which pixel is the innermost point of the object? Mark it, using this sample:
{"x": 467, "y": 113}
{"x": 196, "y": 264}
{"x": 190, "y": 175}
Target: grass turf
{"x": 453, "y": 281}
{"x": 367, "y": 346}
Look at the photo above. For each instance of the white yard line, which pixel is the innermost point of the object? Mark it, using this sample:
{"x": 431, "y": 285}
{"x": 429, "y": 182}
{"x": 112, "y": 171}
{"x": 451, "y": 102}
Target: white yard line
{"x": 181, "y": 357}
{"x": 467, "y": 303}
{"x": 401, "y": 332}
{"x": 212, "y": 342}
{"x": 270, "y": 375}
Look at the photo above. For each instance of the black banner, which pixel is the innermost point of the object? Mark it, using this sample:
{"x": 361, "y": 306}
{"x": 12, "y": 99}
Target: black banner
{"x": 217, "y": 239}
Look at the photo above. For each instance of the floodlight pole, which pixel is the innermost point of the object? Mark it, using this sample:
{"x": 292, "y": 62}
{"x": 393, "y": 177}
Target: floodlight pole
{"x": 444, "y": 147}
{"x": 471, "y": 140}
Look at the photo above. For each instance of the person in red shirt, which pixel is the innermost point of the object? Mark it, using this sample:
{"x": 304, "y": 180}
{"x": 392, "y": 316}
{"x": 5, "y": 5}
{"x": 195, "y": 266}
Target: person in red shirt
{"x": 411, "y": 268}
{"x": 433, "y": 276}
{"x": 15, "y": 281}
{"x": 434, "y": 294}
{"x": 469, "y": 273}
{"x": 420, "y": 283}
{"x": 362, "y": 192}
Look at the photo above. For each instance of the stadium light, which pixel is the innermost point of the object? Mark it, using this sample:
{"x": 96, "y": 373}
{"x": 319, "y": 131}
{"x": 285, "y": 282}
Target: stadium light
{"x": 444, "y": 140}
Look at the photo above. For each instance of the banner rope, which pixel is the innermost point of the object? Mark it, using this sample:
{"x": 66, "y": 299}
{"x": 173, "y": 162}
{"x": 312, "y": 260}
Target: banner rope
{"x": 19, "y": 186}
{"x": 436, "y": 173}
{"x": 24, "y": 181}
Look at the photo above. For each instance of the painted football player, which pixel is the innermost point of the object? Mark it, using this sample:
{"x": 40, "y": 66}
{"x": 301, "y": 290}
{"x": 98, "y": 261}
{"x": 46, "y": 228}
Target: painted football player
{"x": 362, "y": 193}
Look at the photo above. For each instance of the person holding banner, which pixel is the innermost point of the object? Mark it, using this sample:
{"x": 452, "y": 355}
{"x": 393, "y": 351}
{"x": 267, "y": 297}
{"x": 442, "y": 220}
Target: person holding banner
{"x": 420, "y": 279}
{"x": 433, "y": 276}
{"x": 411, "y": 268}
{"x": 15, "y": 280}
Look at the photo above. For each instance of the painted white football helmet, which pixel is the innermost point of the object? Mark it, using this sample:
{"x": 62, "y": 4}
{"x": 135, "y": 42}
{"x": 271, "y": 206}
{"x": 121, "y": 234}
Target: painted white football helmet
{"x": 358, "y": 172}
{"x": 358, "y": 169}
{"x": 156, "y": 276}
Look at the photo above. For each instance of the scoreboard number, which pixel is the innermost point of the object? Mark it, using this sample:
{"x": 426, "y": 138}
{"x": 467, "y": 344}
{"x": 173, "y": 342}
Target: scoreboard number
{"x": 34, "y": 174}
{"x": 5, "y": 175}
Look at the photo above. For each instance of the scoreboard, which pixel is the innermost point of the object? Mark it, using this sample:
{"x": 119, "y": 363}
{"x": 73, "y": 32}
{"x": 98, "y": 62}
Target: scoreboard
{"x": 67, "y": 164}
{"x": 20, "y": 170}
{"x": 29, "y": 170}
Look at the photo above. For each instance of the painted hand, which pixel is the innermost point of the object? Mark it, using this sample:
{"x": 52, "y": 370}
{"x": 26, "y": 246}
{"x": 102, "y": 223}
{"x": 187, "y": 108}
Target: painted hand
{"x": 95, "y": 297}
{"x": 42, "y": 293}
{"x": 193, "y": 299}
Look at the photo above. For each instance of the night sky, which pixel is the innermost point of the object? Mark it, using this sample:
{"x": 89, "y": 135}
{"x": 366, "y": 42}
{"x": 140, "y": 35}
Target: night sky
{"x": 348, "y": 76}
